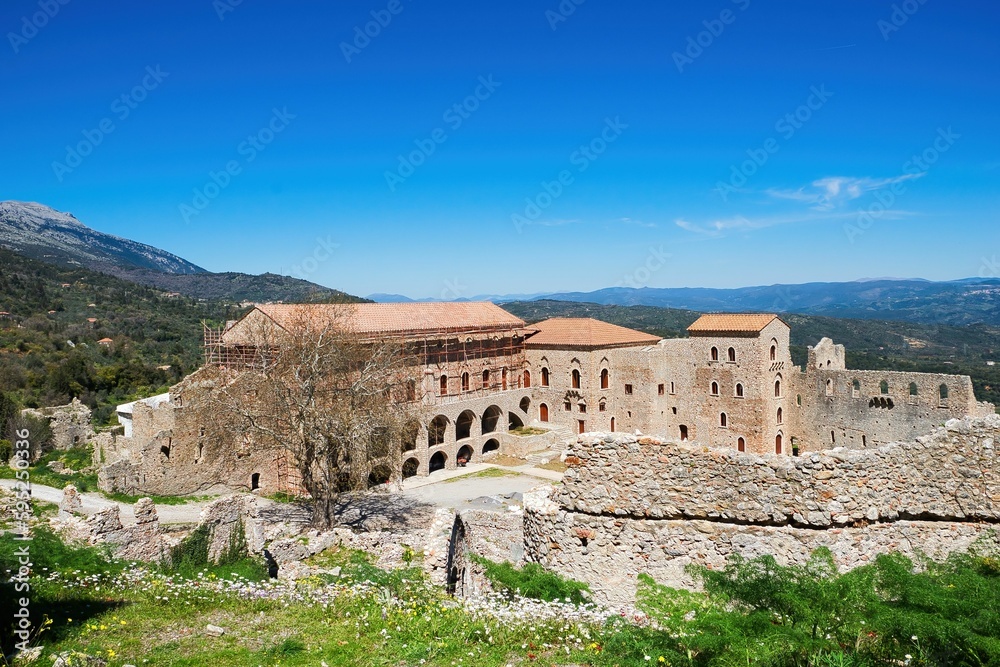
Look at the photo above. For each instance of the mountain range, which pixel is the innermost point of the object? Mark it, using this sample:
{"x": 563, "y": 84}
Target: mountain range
{"x": 40, "y": 232}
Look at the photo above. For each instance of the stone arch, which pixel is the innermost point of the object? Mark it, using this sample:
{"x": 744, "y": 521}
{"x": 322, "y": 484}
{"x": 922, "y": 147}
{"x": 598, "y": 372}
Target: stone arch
{"x": 543, "y": 412}
{"x": 436, "y": 431}
{"x": 463, "y": 425}
{"x": 411, "y": 432}
{"x": 464, "y": 454}
{"x": 411, "y": 467}
{"x": 492, "y": 445}
{"x": 379, "y": 475}
{"x": 524, "y": 404}
{"x": 491, "y": 418}
{"x": 437, "y": 462}
{"x": 514, "y": 421}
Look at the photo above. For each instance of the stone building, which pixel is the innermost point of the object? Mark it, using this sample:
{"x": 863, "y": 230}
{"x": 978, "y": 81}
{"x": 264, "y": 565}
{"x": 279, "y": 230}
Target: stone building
{"x": 484, "y": 373}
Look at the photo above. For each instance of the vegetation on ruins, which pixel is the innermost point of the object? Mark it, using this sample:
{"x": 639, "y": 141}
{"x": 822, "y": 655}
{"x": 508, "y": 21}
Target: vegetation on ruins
{"x": 753, "y": 612}
{"x": 335, "y": 403}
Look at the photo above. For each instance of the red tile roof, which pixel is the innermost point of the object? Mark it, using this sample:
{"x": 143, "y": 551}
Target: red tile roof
{"x": 395, "y": 319}
{"x": 732, "y": 323}
{"x": 585, "y": 332}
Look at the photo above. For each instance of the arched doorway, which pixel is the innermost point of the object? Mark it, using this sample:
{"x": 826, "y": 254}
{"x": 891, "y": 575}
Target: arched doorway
{"x": 436, "y": 431}
{"x": 513, "y": 421}
{"x": 612, "y": 424}
{"x": 437, "y": 462}
{"x": 527, "y": 379}
{"x": 410, "y": 468}
{"x": 777, "y": 444}
{"x": 684, "y": 433}
{"x": 464, "y": 455}
{"x": 605, "y": 378}
{"x": 492, "y": 445}
{"x": 543, "y": 412}
{"x": 463, "y": 425}
{"x": 255, "y": 481}
{"x": 524, "y": 404}
{"x": 491, "y": 418}
{"x": 741, "y": 445}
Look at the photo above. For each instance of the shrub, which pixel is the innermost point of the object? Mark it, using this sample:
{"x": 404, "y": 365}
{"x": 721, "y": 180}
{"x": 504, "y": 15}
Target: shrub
{"x": 533, "y": 581}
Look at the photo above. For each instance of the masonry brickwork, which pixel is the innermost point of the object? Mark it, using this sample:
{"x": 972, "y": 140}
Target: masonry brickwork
{"x": 636, "y": 505}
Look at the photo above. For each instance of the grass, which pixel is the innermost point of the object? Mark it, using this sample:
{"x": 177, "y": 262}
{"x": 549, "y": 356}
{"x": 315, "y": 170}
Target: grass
{"x": 157, "y": 500}
{"x": 527, "y": 430}
{"x": 555, "y": 464}
{"x": 75, "y": 459}
{"x": 488, "y": 472}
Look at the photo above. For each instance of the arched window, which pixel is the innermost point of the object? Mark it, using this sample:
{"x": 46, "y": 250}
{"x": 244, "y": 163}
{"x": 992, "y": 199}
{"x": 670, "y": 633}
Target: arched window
{"x": 465, "y": 382}
{"x": 715, "y": 354}
{"x": 605, "y": 378}
{"x": 723, "y": 420}
{"x": 543, "y": 412}
{"x": 545, "y": 377}
{"x": 739, "y": 390}
{"x": 829, "y": 387}
{"x": 576, "y": 379}
{"x": 777, "y": 444}
{"x": 943, "y": 392}
{"x": 883, "y": 387}
{"x": 436, "y": 431}
{"x": 714, "y": 390}
{"x": 779, "y": 417}
{"x": 486, "y": 379}
{"x": 774, "y": 350}
{"x": 741, "y": 445}
{"x": 684, "y": 433}
{"x": 612, "y": 424}
{"x": 527, "y": 379}
{"x": 444, "y": 385}
{"x": 777, "y": 387}
{"x": 856, "y": 388}
{"x": 732, "y": 354}
{"x": 913, "y": 389}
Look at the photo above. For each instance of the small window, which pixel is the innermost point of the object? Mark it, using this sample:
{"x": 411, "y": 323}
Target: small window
{"x": 829, "y": 387}
{"x": 732, "y": 355}
{"x": 661, "y": 390}
{"x": 567, "y": 406}
{"x": 527, "y": 379}
{"x": 741, "y": 445}
{"x": 856, "y": 388}
{"x": 486, "y": 379}
{"x": 628, "y": 390}
{"x": 672, "y": 390}
{"x": 582, "y": 426}
{"x": 777, "y": 444}
{"x": 913, "y": 389}
{"x": 674, "y": 410}
{"x": 833, "y": 437}
{"x": 883, "y": 387}
{"x": 779, "y": 417}
{"x": 602, "y": 406}
{"x": 465, "y": 382}
{"x": 583, "y": 407}
{"x": 739, "y": 390}
{"x": 774, "y": 353}
{"x": 943, "y": 392}
{"x": 545, "y": 377}
{"x": 612, "y": 424}
{"x": 715, "y": 354}
{"x": 714, "y": 389}
{"x": 777, "y": 388}
{"x": 444, "y": 385}
{"x": 605, "y": 378}
{"x": 575, "y": 379}
{"x": 723, "y": 420}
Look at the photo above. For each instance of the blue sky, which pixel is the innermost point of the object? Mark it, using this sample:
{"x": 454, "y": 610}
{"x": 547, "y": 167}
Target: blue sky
{"x": 718, "y": 144}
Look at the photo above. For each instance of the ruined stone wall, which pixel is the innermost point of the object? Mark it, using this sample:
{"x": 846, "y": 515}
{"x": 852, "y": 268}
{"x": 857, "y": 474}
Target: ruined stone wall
{"x": 70, "y": 424}
{"x": 854, "y": 408}
{"x": 497, "y": 536}
{"x": 639, "y": 505}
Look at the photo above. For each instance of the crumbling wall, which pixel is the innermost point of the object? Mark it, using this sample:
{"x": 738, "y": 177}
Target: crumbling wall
{"x": 633, "y": 505}
{"x": 497, "y": 536}
{"x": 70, "y": 424}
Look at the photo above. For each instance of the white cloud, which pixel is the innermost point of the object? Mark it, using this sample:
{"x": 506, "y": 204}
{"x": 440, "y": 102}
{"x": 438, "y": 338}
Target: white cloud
{"x": 831, "y": 192}
{"x": 638, "y": 223}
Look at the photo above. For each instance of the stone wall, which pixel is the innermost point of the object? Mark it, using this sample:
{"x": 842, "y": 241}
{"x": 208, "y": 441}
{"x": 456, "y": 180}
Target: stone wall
{"x": 633, "y": 505}
{"x": 70, "y": 424}
{"x": 497, "y": 536}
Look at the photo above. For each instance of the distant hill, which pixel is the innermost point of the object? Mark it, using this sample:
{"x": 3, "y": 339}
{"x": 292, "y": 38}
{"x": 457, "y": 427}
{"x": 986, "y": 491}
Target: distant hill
{"x": 42, "y": 233}
{"x": 960, "y": 302}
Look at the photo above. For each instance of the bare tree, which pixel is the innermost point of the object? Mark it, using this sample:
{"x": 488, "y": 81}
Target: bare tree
{"x": 341, "y": 406}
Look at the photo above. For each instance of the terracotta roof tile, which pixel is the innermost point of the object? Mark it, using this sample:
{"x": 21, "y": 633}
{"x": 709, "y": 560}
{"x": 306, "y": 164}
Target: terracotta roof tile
{"x": 732, "y": 323}
{"x": 399, "y": 319}
{"x": 585, "y": 332}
